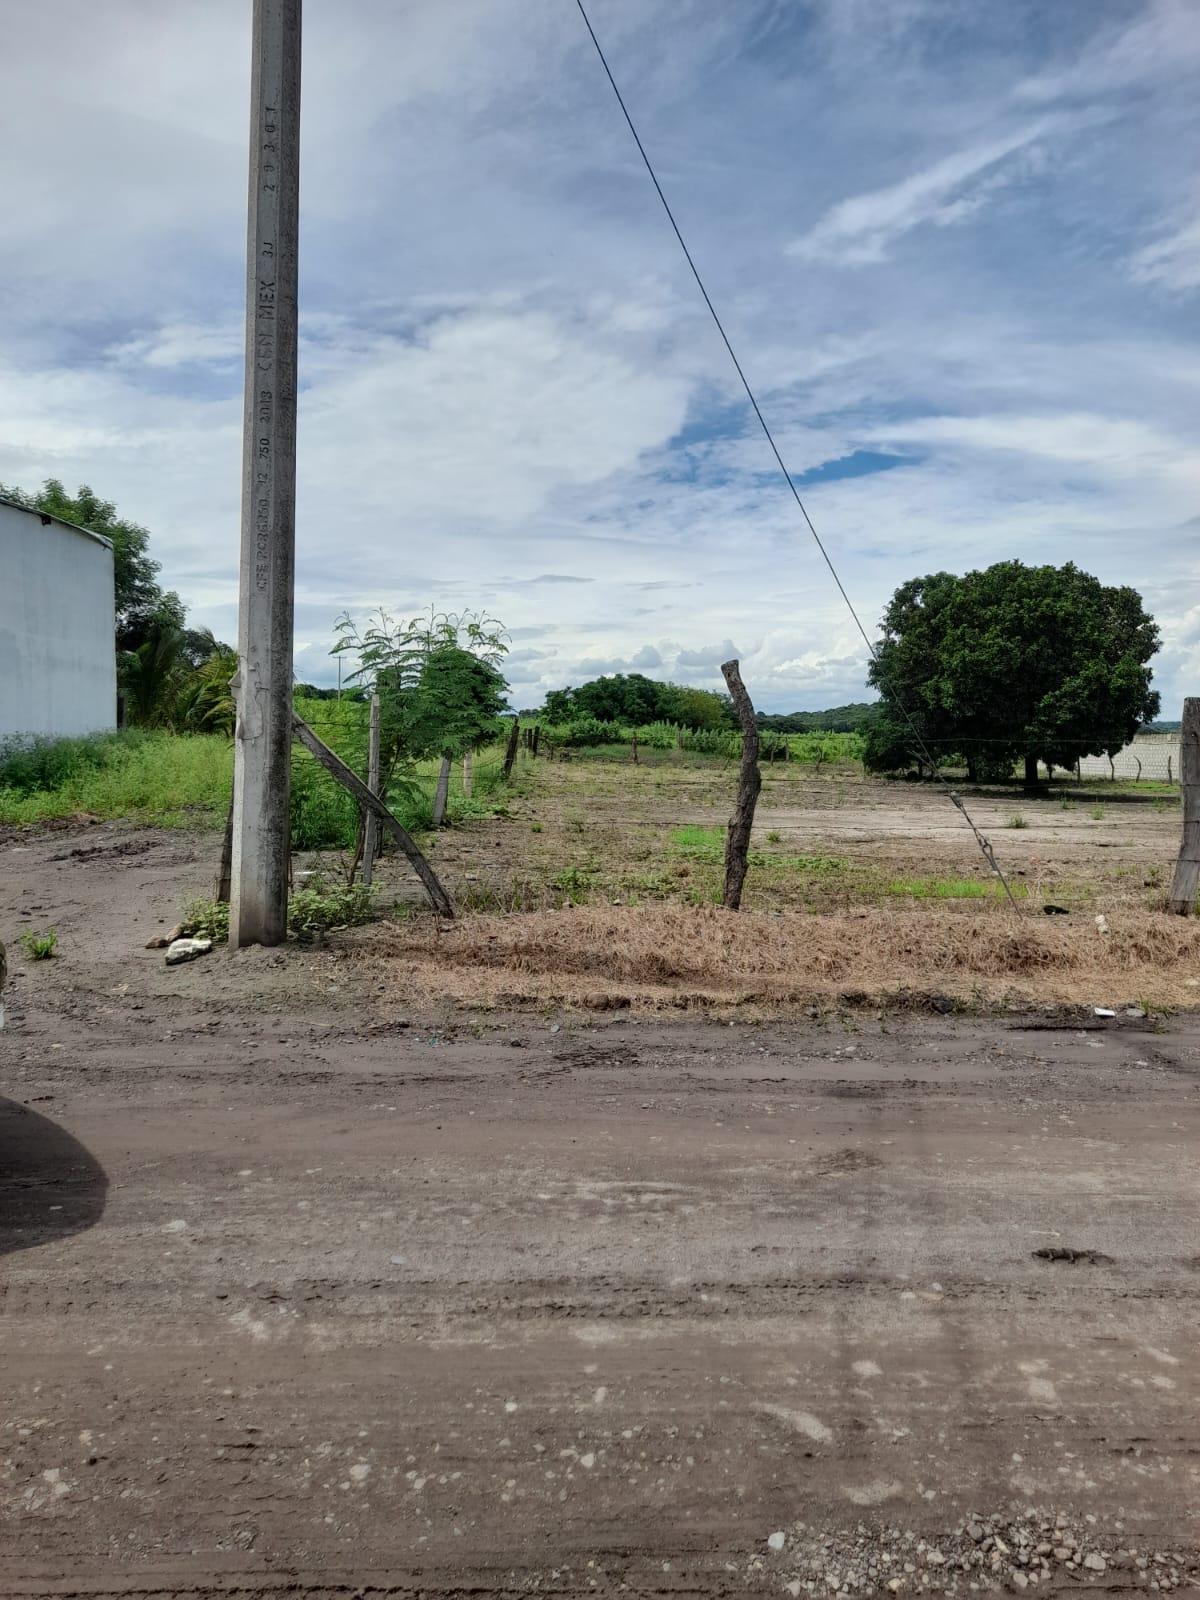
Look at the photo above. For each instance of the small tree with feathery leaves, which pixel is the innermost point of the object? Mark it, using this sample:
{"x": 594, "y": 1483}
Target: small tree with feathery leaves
{"x": 439, "y": 684}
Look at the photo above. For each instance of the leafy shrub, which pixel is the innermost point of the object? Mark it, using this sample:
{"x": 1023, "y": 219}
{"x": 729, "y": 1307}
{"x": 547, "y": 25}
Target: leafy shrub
{"x": 203, "y": 918}
{"x": 587, "y": 731}
{"x": 319, "y": 906}
{"x": 313, "y": 909}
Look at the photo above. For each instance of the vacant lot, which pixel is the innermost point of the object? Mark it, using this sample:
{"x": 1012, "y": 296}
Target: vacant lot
{"x": 609, "y": 830}
{"x": 309, "y": 1296}
{"x": 602, "y": 877}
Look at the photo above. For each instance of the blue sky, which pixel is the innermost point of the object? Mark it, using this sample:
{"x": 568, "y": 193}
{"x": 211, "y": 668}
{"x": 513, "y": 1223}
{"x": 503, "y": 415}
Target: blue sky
{"x": 957, "y": 247}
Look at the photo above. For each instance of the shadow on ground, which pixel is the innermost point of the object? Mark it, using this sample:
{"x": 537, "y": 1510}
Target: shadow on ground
{"x": 50, "y": 1185}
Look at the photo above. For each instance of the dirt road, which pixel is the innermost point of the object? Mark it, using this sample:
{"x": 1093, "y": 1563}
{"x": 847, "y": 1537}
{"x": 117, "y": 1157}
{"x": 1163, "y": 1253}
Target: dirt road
{"x": 299, "y": 1301}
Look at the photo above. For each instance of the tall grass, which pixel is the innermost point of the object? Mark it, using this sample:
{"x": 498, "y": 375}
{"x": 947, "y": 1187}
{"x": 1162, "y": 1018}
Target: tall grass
{"x": 177, "y": 780}
{"x": 149, "y": 776}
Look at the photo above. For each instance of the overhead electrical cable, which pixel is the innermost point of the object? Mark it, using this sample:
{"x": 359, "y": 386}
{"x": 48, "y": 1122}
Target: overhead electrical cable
{"x": 956, "y": 799}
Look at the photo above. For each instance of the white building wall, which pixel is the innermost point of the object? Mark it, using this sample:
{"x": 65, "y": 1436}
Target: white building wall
{"x": 58, "y": 670}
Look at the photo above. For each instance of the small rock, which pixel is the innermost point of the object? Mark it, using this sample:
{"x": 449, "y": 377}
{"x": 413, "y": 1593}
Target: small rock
{"x": 1134, "y": 1011}
{"x": 162, "y": 940}
{"x": 187, "y": 950}
{"x": 1094, "y": 1563}
{"x": 1020, "y": 1580}
{"x": 777, "y": 1541}
{"x": 1103, "y": 1011}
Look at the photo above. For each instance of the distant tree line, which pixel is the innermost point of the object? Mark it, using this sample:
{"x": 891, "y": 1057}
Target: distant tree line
{"x": 856, "y": 717}
{"x": 634, "y": 700}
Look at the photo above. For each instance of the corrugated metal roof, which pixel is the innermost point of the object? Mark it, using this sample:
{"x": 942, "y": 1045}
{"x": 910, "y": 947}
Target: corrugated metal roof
{"x": 45, "y": 517}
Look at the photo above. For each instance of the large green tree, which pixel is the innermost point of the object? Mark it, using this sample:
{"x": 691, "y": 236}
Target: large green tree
{"x": 1011, "y": 663}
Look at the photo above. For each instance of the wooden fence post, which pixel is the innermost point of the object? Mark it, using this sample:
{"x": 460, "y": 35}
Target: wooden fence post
{"x": 1186, "y": 883}
{"x": 441, "y": 793}
{"x": 371, "y": 821}
{"x": 510, "y": 754}
{"x": 438, "y": 898}
{"x": 737, "y": 839}
{"x": 635, "y": 754}
{"x": 225, "y": 867}
{"x": 468, "y": 773}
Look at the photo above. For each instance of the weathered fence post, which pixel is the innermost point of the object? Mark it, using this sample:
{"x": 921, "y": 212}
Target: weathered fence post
{"x": 737, "y": 839}
{"x": 537, "y": 731}
{"x": 514, "y": 739}
{"x": 225, "y": 869}
{"x": 468, "y": 773}
{"x": 441, "y": 793}
{"x": 371, "y": 821}
{"x": 635, "y": 754}
{"x": 1186, "y": 883}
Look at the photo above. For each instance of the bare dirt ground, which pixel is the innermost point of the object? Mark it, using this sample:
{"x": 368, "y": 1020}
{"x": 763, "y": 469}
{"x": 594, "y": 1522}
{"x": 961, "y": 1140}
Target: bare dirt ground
{"x": 821, "y": 841}
{"x": 309, "y": 1294}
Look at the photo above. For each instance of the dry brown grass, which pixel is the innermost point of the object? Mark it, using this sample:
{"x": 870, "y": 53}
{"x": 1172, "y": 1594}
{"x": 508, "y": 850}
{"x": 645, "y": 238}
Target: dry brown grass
{"x": 681, "y": 957}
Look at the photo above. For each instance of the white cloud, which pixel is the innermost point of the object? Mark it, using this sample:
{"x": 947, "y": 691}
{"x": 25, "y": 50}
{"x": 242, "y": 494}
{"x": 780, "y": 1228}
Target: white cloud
{"x": 861, "y": 230}
{"x": 1161, "y": 41}
{"x": 1172, "y": 261}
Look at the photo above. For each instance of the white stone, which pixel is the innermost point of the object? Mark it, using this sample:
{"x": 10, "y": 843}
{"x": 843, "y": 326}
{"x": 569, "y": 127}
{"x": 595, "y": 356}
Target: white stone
{"x": 187, "y": 950}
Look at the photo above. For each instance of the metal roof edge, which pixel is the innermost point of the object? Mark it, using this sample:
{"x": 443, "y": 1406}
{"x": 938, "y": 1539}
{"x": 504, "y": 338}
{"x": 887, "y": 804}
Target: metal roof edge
{"x": 48, "y": 516}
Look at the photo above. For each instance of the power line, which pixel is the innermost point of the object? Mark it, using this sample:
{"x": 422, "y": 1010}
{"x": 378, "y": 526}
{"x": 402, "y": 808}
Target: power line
{"x": 956, "y": 799}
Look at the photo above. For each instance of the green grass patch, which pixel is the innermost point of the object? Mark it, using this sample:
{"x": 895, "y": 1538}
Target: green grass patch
{"x": 39, "y": 946}
{"x": 951, "y": 889}
{"x": 708, "y": 844}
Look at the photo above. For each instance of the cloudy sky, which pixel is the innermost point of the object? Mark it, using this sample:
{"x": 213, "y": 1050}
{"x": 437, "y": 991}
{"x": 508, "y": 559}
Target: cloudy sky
{"x": 957, "y": 246}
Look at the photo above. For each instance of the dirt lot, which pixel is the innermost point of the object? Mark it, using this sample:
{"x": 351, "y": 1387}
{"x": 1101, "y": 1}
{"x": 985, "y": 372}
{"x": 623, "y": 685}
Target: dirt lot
{"x": 312, "y": 1294}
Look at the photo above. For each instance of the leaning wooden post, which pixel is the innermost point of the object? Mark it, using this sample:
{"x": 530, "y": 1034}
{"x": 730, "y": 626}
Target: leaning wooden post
{"x": 349, "y": 779}
{"x": 1185, "y": 885}
{"x": 737, "y": 841}
{"x": 510, "y": 754}
{"x": 370, "y": 820}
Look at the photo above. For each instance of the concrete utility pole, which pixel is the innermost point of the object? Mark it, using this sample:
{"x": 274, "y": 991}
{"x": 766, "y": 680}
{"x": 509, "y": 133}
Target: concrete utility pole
{"x": 262, "y": 745}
